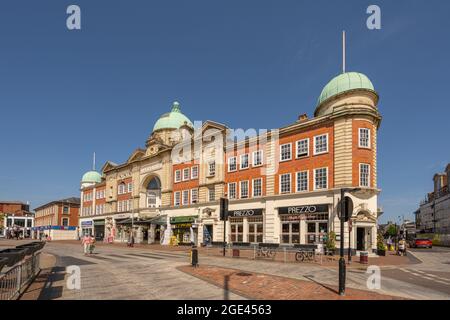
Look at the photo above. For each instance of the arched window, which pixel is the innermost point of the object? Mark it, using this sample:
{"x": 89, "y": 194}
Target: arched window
{"x": 154, "y": 193}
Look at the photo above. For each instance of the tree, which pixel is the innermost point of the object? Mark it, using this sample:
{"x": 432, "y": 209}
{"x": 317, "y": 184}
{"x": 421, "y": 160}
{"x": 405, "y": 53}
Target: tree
{"x": 2, "y": 220}
{"x": 391, "y": 231}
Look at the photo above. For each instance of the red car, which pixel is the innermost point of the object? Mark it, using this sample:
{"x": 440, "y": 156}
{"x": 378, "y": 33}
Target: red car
{"x": 422, "y": 243}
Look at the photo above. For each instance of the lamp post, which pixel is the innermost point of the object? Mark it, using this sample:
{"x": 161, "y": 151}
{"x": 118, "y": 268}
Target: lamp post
{"x": 342, "y": 218}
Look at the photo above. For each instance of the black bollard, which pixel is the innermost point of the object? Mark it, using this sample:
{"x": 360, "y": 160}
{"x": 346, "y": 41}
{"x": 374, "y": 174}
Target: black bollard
{"x": 194, "y": 256}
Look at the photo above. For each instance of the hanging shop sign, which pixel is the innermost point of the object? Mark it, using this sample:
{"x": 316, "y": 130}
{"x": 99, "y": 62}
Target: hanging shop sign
{"x": 245, "y": 213}
{"x": 301, "y": 210}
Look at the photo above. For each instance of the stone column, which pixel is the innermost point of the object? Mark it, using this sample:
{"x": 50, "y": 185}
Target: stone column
{"x": 151, "y": 233}
{"x": 139, "y": 235}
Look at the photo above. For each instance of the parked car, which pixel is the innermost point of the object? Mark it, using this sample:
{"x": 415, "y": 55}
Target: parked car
{"x": 421, "y": 243}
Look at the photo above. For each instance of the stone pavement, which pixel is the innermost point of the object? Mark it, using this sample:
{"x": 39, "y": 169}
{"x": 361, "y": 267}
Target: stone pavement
{"x": 124, "y": 268}
{"x": 269, "y": 287}
{"x": 122, "y": 274}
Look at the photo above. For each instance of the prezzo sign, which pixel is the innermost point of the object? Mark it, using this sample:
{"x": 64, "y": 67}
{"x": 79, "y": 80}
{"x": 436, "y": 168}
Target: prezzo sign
{"x": 245, "y": 213}
{"x": 298, "y": 210}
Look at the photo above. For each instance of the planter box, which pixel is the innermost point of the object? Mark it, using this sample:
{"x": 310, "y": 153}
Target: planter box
{"x": 381, "y": 253}
{"x": 13, "y": 256}
{"x": 30, "y": 248}
{"x": 3, "y": 262}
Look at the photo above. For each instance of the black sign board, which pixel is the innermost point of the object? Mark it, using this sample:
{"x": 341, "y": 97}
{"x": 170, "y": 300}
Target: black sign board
{"x": 223, "y": 209}
{"x": 307, "y": 209}
{"x": 245, "y": 213}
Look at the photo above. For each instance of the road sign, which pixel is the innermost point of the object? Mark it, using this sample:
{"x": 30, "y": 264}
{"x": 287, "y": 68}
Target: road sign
{"x": 348, "y": 209}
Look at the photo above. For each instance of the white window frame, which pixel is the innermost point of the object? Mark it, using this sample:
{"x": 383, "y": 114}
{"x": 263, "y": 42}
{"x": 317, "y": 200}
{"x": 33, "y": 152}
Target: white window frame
{"x": 213, "y": 190}
{"x": 194, "y": 191}
{"x": 210, "y": 172}
{"x": 176, "y": 176}
{"x": 290, "y": 183}
{"x": 315, "y": 185}
{"x": 368, "y": 175}
{"x": 290, "y": 152}
{"x": 241, "y": 196}
{"x": 315, "y": 146}
{"x": 188, "y": 176}
{"x": 253, "y": 188}
{"x": 122, "y": 188}
{"x": 185, "y": 197}
{"x": 62, "y": 221}
{"x": 175, "y": 202}
{"x": 130, "y": 187}
{"x": 192, "y": 172}
{"x": 253, "y": 158}
{"x": 229, "y": 164}
{"x": 368, "y": 138}
{"x": 241, "y": 162}
{"x": 235, "y": 190}
{"x": 297, "y": 184}
{"x": 307, "y": 148}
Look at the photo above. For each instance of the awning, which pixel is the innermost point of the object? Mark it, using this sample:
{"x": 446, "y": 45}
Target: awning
{"x": 99, "y": 222}
{"x": 183, "y": 219}
{"x": 159, "y": 220}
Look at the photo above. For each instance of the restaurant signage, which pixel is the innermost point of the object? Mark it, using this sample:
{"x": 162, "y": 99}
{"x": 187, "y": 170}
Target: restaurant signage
{"x": 300, "y": 210}
{"x": 245, "y": 213}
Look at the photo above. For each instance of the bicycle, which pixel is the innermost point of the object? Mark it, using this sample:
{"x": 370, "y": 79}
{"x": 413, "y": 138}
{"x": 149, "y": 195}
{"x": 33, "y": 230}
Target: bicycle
{"x": 265, "y": 253}
{"x": 304, "y": 255}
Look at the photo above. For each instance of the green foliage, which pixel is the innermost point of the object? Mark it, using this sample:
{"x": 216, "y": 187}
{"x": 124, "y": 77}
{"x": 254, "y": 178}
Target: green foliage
{"x": 391, "y": 231}
{"x": 380, "y": 242}
{"x": 331, "y": 244}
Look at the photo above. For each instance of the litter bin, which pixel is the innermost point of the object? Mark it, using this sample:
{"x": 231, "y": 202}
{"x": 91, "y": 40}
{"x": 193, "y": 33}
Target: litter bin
{"x": 364, "y": 257}
{"x": 236, "y": 252}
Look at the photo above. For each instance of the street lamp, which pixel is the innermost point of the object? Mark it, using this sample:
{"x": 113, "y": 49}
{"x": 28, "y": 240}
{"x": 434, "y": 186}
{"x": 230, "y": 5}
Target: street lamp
{"x": 344, "y": 212}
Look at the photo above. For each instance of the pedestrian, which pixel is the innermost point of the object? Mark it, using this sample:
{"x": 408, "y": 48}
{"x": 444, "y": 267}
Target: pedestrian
{"x": 402, "y": 247}
{"x": 91, "y": 244}
{"x": 86, "y": 241}
{"x": 131, "y": 240}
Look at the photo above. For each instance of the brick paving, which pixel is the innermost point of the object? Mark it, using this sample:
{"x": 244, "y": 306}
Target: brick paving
{"x": 269, "y": 287}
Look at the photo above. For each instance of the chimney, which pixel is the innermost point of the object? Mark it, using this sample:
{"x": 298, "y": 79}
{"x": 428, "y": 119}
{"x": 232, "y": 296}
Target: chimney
{"x": 302, "y": 117}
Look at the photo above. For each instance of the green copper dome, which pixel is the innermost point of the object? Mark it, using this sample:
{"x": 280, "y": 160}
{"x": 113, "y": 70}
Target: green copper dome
{"x": 91, "y": 176}
{"x": 345, "y": 82}
{"x": 172, "y": 120}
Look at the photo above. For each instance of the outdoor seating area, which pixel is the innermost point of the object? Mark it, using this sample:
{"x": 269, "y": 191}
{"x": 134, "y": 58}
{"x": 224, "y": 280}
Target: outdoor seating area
{"x": 314, "y": 253}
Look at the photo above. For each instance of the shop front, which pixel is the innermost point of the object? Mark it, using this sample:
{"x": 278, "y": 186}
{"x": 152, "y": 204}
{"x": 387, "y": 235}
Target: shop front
{"x": 246, "y": 225}
{"x": 184, "y": 230}
{"x": 99, "y": 229}
{"x": 304, "y": 224}
{"x": 87, "y": 227}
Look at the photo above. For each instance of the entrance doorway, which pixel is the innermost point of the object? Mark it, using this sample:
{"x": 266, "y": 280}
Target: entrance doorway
{"x": 360, "y": 239}
{"x": 208, "y": 234}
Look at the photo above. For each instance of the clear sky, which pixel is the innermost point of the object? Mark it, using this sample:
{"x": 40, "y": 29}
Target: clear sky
{"x": 250, "y": 64}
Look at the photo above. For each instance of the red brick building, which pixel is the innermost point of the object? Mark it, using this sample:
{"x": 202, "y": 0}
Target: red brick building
{"x": 59, "y": 219}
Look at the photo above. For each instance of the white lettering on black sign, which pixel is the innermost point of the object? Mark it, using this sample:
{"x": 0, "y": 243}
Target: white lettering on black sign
{"x": 300, "y": 210}
{"x": 245, "y": 213}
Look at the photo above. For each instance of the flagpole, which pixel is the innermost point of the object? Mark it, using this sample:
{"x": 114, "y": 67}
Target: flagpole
{"x": 343, "y": 51}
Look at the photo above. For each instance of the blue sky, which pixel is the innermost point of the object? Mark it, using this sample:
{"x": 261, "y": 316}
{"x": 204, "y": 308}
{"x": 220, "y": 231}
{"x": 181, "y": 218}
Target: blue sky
{"x": 248, "y": 64}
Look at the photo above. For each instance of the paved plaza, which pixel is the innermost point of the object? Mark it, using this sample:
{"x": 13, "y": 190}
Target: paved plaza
{"x": 155, "y": 272}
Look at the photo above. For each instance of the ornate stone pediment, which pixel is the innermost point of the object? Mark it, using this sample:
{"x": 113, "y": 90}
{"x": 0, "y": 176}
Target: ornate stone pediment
{"x": 365, "y": 216}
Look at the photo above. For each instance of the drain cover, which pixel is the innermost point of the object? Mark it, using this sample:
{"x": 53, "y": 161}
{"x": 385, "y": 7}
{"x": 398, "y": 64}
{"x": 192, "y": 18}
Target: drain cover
{"x": 243, "y": 274}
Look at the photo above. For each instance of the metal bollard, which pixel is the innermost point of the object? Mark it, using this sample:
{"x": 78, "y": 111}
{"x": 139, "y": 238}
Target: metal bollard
{"x": 194, "y": 256}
